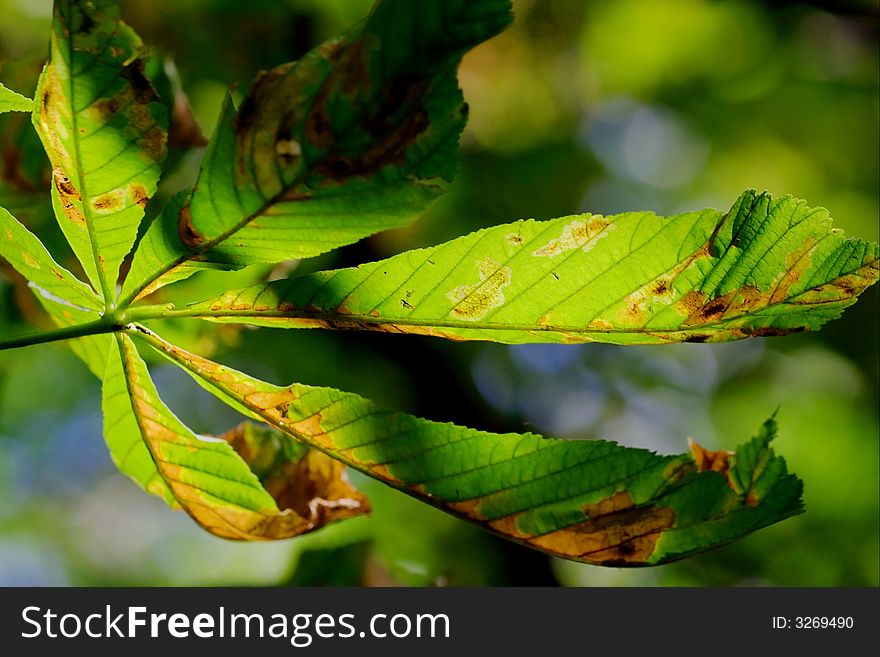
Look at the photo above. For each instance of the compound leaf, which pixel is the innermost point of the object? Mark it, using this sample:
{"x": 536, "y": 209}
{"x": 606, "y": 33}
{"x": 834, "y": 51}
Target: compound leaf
{"x": 766, "y": 267}
{"x": 591, "y": 501}
{"x": 356, "y": 137}
{"x": 104, "y": 132}
{"x": 247, "y": 484}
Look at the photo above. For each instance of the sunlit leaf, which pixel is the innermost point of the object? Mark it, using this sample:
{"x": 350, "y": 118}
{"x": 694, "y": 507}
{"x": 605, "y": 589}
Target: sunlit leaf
{"x": 356, "y": 137}
{"x": 247, "y": 484}
{"x": 12, "y": 101}
{"x": 24, "y": 251}
{"x": 103, "y": 129}
{"x": 767, "y": 267}
{"x": 587, "y": 500}
{"x": 69, "y": 301}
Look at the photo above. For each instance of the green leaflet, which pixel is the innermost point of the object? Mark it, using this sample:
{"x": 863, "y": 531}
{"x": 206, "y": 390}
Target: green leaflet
{"x": 91, "y": 350}
{"x": 11, "y": 101}
{"x": 591, "y": 501}
{"x": 69, "y": 301}
{"x": 104, "y": 133}
{"x": 212, "y": 478}
{"x": 766, "y": 267}
{"x": 49, "y": 280}
{"x": 122, "y": 433}
{"x": 356, "y": 137}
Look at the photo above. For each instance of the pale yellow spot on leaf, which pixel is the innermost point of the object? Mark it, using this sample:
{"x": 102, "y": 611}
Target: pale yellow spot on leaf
{"x": 472, "y": 302}
{"x": 579, "y": 234}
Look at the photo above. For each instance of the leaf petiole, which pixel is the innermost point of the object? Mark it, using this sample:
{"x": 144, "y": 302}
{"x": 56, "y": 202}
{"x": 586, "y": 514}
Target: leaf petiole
{"x": 67, "y": 333}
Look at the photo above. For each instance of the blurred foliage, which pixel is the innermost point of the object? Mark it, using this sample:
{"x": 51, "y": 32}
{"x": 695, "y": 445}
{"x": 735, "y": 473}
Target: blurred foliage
{"x": 668, "y": 105}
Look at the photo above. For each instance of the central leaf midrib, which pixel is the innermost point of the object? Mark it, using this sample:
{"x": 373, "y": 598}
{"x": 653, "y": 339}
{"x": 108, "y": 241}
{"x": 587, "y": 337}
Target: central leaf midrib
{"x": 83, "y": 188}
{"x": 277, "y": 198}
{"x": 295, "y": 315}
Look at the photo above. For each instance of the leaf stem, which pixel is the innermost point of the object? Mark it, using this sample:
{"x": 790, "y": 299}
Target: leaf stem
{"x": 68, "y": 332}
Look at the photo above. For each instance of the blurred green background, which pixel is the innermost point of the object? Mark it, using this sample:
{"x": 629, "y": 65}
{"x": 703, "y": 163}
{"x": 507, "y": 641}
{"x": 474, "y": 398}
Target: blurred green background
{"x": 668, "y": 105}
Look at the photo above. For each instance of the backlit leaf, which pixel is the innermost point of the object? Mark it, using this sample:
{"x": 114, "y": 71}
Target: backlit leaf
{"x": 767, "y": 267}
{"x": 246, "y": 484}
{"x": 69, "y": 301}
{"x": 11, "y": 101}
{"x": 103, "y": 129}
{"x": 587, "y": 500}
{"x": 356, "y": 137}
{"x": 24, "y": 251}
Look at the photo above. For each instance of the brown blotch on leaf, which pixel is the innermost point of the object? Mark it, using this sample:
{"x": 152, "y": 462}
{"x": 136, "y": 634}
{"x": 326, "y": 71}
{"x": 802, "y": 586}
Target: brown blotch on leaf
{"x": 580, "y": 233}
{"x": 317, "y": 128}
{"x": 691, "y": 303}
{"x": 388, "y": 148}
{"x": 107, "y": 108}
{"x": 152, "y": 143}
{"x": 112, "y": 201}
{"x": 713, "y": 310}
{"x": 138, "y": 195}
{"x": 469, "y": 508}
{"x": 185, "y": 229}
{"x": 615, "y": 533}
{"x": 472, "y": 302}
{"x": 312, "y": 428}
{"x": 348, "y": 75}
{"x": 140, "y": 84}
{"x": 316, "y": 488}
{"x": 395, "y": 121}
{"x": 736, "y": 303}
{"x": 69, "y": 196}
{"x": 310, "y": 491}
{"x": 708, "y": 460}
{"x": 796, "y": 263}
{"x": 600, "y": 325}
{"x": 65, "y": 186}
{"x": 404, "y": 92}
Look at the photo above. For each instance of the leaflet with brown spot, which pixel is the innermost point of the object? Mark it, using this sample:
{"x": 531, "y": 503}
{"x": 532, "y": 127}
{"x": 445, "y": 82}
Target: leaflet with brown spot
{"x": 110, "y": 202}
{"x": 185, "y": 229}
{"x": 308, "y": 486}
{"x": 53, "y": 117}
{"x": 711, "y": 461}
{"x": 615, "y": 533}
{"x": 138, "y": 194}
{"x": 659, "y": 292}
{"x": 579, "y": 234}
{"x": 472, "y": 302}
{"x": 71, "y": 201}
